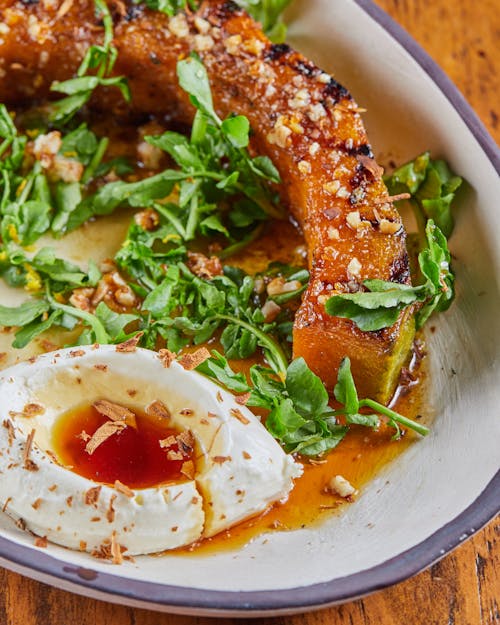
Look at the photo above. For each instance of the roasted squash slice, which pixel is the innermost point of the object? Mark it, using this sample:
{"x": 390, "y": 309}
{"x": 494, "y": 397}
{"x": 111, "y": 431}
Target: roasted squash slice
{"x": 301, "y": 117}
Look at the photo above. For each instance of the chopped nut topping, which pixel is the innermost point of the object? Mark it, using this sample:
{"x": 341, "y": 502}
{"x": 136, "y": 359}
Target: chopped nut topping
{"x": 158, "y": 409}
{"x": 354, "y": 268}
{"x": 204, "y": 267}
{"x": 304, "y": 167}
{"x": 103, "y": 433}
{"x": 238, "y": 415}
{"x": 123, "y": 489}
{"x": 270, "y": 310}
{"x": 389, "y": 227}
{"x": 167, "y": 357}
{"x": 92, "y": 496}
{"x": 340, "y": 486}
{"x": 191, "y": 361}
{"x": 131, "y": 344}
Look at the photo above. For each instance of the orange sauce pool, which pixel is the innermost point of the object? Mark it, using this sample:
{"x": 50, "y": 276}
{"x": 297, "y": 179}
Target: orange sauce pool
{"x": 133, "y": 455}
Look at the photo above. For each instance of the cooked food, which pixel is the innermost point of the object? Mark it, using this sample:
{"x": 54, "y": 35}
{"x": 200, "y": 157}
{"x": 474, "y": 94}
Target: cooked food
{"x": 233, "y": 152}
{"x": 236, "y": 468}
{"x": 301, "y": 117}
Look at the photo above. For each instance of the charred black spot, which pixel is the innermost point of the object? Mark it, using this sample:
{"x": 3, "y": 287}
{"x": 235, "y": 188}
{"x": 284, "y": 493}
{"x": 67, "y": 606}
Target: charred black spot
{"x": 277, "y": 50}
{"x": 335, "y": 91}
{"x": 227, "y": 10}
{"x": 154, "y": 59}
{"x": 28, "y": 2}
{"x": 306, "y": 69}
{"x": 133, "y": 12}
{"x": 361, "y": 150}
{"x": 400, "y": 271}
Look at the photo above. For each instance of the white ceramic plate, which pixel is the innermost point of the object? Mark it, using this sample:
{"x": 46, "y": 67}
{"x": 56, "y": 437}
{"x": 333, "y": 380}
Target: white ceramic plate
{"x": 445, "y": 487}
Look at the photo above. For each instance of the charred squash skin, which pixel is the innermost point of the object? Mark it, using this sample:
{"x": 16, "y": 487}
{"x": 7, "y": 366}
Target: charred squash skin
{"x": 301, "y": 118}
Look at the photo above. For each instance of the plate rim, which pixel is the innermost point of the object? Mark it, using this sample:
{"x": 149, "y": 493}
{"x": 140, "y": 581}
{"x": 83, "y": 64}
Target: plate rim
{"x": 404, "y": 565}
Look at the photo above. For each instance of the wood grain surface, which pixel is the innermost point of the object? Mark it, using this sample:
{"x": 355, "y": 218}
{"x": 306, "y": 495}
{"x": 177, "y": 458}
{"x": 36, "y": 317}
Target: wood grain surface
{"x": 463, "y": 36}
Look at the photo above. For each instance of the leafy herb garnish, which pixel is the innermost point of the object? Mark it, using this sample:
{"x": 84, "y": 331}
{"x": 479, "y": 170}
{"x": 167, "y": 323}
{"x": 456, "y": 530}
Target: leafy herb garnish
{"x": 220, "y": 188}
{"x": 300, "y": 416}
{"x": 99, "y": 58}
{"x": 380, "y": 305}
{"x": 432, "y": 187}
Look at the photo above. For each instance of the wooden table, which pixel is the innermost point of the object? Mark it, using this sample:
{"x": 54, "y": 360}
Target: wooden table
{"x": 464, "y": 588}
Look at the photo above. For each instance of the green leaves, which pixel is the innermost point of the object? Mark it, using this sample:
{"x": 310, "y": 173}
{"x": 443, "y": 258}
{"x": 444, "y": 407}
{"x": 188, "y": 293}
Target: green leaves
{"x": 101, "y": 59}
{"x": 432, "y": 186}
{"x": 300, "y": 416}
{"x": 268, "y": 13}
{"x": 380, "y": 305}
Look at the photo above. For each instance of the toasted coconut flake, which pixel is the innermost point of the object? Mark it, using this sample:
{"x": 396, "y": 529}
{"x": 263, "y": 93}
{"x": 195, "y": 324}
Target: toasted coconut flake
{"x": 84, "y": 436}
{"x": 392, "y": 198}
{"x": 168, "y": 442}
{"x": 116, "y": 550}
{"x": 28, "y": 445}
{"x": 115, "y": 412}
{"x": 242, "y": 399}
{"x": 29, "y": 410}
{"x": 174, "y": 455}
{"x": 102, "y": 434}
{"x": 371, "y": 165}
{"x": 221, "y": 459}
{"x": 130, "y": 345}
{"x": 238, "y": 415}
{"x": 92, "y": 496}
{"x": 7, "y": 424}
{"x": 191, "y": 361}
{"x": 167, "y": 357}
{"x": 123, "y": 489}
{"x": 110, "y": 512}
{"x": 188, "y": 469}
{"x": 41, "y": 541}
{"x": 158, "y": 409}
{"x": 185, "y": 441}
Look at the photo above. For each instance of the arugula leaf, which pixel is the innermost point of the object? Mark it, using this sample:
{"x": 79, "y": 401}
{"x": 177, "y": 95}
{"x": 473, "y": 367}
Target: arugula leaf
{"x": 23, "y": 314}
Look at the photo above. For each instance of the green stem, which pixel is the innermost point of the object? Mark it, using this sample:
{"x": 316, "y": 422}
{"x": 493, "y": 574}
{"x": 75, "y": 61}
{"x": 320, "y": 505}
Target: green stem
{"x": 395, "y": 416}
{"x": 101, "y": 336}
{"x": 176, "y": 223}
{"x": 265, "y": 341}
{"x": 230, "y": 250}
{"x": 96, "y": 160}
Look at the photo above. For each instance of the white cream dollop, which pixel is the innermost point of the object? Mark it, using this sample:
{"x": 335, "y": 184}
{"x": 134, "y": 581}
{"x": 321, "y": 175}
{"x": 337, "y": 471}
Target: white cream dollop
{"x": 240, "y": 468}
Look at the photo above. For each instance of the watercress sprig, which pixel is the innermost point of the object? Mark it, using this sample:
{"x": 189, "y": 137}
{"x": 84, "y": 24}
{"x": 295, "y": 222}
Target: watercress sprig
{"x": 380, "y": 305}
{"x": 300, "y": 416}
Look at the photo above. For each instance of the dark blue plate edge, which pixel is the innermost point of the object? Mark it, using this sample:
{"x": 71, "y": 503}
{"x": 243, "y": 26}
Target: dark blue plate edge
{"x": 392, "y": 571}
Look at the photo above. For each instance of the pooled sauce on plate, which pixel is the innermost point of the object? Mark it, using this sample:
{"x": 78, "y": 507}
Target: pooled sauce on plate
{"x": 133, "y": 455}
